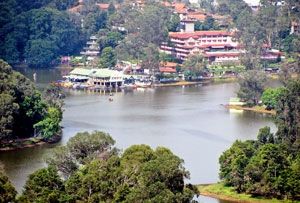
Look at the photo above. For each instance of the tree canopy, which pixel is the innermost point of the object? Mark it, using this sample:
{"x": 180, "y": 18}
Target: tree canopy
{"x": 22, "y": 106}
{"x": 268, "y": 167}
{"x": 138, "y": 174}
{"x": 252, "y": 84}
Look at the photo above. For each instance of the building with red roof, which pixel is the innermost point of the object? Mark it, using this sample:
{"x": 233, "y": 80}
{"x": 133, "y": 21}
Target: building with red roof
{"x": 168, "y": 67}
{"x": 103, "y": 6}
{"x": 218, "y": 46}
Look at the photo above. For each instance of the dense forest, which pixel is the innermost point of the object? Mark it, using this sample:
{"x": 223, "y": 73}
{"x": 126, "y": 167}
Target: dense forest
{"x": 90, "y": 169}
{"x": 39, "y": 32}
{"x": 24, "y": 111}
{"x": 270, "y": 165}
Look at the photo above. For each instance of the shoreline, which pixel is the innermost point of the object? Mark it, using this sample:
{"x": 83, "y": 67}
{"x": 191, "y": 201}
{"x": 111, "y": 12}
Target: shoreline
{"x": 256, "y": 109}
{"x": 29, "y": 143}
{"x": 221, "y": 192}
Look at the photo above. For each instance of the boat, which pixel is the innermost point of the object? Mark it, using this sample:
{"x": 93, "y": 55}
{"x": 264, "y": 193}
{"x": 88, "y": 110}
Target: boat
{"x": 143, "y": 83}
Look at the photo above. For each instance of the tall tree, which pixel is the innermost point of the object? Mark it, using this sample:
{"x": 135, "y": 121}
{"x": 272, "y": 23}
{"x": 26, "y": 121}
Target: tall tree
{"x": 44, "y": 185}
{"x": 108, "y": 58}
{"x": 195, "y": 65}
{"x": 7, "y": 192}
{"x": 81, "y": 149}
{"x": 252, "y": 85}
{"x": 288, "y": 119}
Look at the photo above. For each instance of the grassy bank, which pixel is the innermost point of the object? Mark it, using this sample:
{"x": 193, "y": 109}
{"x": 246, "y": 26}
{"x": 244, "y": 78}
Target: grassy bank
{"x": 258, "y": 109}
{"x": 222, "y": 192}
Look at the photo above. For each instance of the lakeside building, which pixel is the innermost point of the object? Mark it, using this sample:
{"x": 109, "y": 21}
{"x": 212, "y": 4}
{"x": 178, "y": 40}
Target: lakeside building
{"x": 218, "y": 46}
{"x": 99, "y": 78}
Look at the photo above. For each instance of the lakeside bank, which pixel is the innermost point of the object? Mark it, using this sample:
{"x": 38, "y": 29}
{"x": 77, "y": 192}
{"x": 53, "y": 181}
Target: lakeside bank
{"x": 31, "y": 142}
{"x": 222, "y": 192}
{"x": 256, "y": 109}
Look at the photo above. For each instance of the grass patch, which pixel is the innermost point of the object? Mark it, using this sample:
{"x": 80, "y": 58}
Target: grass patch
{"x": 220, "y": 191}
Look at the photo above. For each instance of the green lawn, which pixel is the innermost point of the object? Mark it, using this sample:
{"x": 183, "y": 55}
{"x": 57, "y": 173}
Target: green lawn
{"x": 220, "y": 191}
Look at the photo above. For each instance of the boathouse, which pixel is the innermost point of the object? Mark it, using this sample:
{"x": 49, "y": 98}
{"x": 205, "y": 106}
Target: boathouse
{"x": 99, "y": 78}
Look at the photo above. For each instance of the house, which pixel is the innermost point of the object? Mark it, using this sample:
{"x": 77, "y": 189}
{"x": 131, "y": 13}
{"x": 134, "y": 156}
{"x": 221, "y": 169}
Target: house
{"x": 168, "y": 67}
{"x": 102, "y": 6}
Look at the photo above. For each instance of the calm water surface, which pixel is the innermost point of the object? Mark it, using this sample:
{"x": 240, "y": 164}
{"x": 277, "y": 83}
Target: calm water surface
{"x": 191, "y": 121}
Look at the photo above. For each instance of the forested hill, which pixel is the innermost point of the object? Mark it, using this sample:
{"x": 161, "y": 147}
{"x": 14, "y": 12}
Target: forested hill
{"x": 37, "y": 31}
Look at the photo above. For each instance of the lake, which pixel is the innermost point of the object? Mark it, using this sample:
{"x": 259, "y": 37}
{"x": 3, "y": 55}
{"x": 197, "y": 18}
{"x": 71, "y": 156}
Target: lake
{"x": 190, "y": 120}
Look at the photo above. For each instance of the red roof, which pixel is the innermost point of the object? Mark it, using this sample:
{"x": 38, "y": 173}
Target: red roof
{"x": 75, "y": 9}
{"x": 197, "y": 16}
{"x": 197, "y": 34}
{"x": 168, "y": 64}
{"x": 103, "y": 6}
{"x": 180, "y": 8}
{"x": 167, "y": 70}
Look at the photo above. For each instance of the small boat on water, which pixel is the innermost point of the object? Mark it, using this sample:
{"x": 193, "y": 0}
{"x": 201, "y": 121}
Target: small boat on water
{"x": 143, "y": 83}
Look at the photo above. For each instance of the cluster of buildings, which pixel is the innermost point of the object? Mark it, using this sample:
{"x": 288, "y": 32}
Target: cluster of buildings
{"x": 217, "y": 46}
{"x": 93, "y": 78}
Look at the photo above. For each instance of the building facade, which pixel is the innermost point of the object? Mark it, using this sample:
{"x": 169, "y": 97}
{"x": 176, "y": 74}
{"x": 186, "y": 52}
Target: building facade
{"x": 218, "y": 46}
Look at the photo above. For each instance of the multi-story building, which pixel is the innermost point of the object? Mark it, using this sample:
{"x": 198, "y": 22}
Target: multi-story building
{"x": 92, "y": 49}
{"x": 217, "y": 46}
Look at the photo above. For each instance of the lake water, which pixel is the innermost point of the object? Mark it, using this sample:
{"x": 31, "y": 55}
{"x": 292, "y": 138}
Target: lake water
{"x": 189, "y": 120}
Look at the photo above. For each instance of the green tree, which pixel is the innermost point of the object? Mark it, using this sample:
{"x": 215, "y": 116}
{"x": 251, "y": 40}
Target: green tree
{"x": 39, "y": 37}
{"x": 150, "y": 58}
{"x": 209, "y": 23}
{"x": 174, "y": 23}
{"x": 195, "y": 65}
{"x": 233, "y": 162}
{"x": 44, "y": 185}
{"x": 21, "y": 104}
{"x": 49, "y": 127}
{"x": 252, "y": 85}
{"x": 265, "y": 136}
{"x": 108, "y": 58}
{"x": 109, "y": 38}
{"x": 293, "y": 183}
{"x": 288, "y": 116}
{"x": 96, "y": 182}
{"x": 81, "y": 149}
{"x": 271, "y": 96}
{"x": 198, "y": 26}
{"x": 7, "y": 192}
{"x": 266, "y": 172}
{"x": 32, "y": 110}
{"x": 94, "y": 21}
{"x": 139, "y": 174}
{"x": 111, "y": 8}
{"x": 54, "y": 96}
